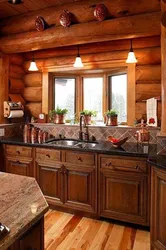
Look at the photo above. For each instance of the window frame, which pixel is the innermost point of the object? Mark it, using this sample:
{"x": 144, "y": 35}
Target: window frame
{"x": 78, "y": 76}
{"x": 110, "y": 90}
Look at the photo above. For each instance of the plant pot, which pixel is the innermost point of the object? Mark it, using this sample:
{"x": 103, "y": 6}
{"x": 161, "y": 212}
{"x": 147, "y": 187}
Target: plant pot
{"x": 111, "y": 120}
{"x": 59, "y": 119}
{"x": 88, "y": 120}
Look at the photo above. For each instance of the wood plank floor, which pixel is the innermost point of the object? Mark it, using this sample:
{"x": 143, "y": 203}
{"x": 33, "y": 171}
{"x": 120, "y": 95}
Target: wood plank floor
{"x": 69, "y": 232}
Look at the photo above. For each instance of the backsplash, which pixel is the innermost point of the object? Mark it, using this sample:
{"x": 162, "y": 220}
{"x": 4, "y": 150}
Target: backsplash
{"x": 11, "y": 130}
{"x": 100, "y": 132}
{"x": 161, "y": 145}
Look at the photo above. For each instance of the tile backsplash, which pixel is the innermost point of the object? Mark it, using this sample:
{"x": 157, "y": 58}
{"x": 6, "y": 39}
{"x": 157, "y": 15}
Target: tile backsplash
{"x": 100, "y": 132}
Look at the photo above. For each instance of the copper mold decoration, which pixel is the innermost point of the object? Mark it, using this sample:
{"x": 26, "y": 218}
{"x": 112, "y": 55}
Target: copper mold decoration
{"x": 100, "y": 12}
{"x": 40, "y": 23}
{"x": 15, "y": 1}
{"x": 65, "y": 18}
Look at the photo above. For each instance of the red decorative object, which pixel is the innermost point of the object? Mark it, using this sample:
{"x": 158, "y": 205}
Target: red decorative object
{"x": 65, "y": 18}
{"x": 40, "y": 23}
{"x": 100, "y": 12}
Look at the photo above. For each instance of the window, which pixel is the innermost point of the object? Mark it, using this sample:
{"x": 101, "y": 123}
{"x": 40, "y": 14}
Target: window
{"x": 92, "y": 95}
{"x": 64, "y": 91}
{"x": 118, "y": 95}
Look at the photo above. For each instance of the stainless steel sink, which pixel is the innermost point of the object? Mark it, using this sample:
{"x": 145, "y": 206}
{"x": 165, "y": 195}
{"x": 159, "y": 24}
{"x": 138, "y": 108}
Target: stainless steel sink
{"x": 63, "y": 142}
{"x": 74, "y": 143}
{"x": 86, "y": 145}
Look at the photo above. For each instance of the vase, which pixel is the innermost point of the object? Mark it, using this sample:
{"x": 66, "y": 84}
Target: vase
{"x": 59, "y": 119}
{"x": 88, "y": 120}
{"x": 111, "y": 120}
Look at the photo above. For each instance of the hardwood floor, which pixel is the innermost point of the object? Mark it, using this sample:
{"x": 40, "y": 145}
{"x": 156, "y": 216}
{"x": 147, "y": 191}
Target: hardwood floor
{"x": 69, "y": 232}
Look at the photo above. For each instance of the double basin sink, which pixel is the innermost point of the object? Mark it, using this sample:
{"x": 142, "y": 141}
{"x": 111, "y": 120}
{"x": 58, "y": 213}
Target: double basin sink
{"x": 73, "y": 143}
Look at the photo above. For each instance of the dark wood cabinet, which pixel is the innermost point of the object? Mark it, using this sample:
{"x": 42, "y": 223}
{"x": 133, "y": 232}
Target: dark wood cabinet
{"x": 69, "y": 181}
{"x": 33, "y": 239}
{"x": 124, "y": 189}
{"x": 80, "y": 185}
{"x": 19, "y": 160}
{"x": 19, "y": 166}
{"x": 50, "y": 181}
{"x": 158, "y": 209}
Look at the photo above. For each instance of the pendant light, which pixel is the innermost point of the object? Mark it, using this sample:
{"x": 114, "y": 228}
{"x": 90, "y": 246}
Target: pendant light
{"x": 78, "y": 62}
{"x": 131, "y": 56}
{"x": 33, "y": 66}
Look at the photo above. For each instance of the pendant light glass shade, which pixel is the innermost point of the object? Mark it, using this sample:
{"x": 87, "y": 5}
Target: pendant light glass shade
{"x": 78, "y": 62}
{"x": 131, "y": 56}
{"x": 33, "y": 66}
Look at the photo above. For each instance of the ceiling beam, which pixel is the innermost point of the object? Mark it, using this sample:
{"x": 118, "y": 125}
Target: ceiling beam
{"x": 115, "y": 29}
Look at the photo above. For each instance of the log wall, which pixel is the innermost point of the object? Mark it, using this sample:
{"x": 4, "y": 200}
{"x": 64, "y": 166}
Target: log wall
{"x": 33, "y": 93}
{"x": 101, "y": 57}
{"x": 16, "y": 74}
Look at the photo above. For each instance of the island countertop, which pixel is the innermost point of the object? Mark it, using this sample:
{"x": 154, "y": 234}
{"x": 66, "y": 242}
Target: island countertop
{"x": 17, "y": 196}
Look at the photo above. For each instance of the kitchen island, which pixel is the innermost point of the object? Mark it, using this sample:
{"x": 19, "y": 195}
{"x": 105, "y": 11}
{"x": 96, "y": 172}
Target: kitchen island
{"x": 22, "y": 207}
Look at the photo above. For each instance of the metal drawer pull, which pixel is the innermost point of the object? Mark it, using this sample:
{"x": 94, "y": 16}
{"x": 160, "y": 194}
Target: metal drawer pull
{"x": 48, "y": 155}
{"x": 18, "y": 162}
{"x": 108, "y": 164}
{"x": 137, "y": 167}
{"x": 18, "y": 152}
{"x": 79, "y": 159}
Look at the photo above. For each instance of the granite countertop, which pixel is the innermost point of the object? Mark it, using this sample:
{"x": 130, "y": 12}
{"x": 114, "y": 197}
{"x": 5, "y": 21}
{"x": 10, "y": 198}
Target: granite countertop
{"x": 158, "y": 161}
{"x": 18, "y": 195}
{"x": 103, "y": 147}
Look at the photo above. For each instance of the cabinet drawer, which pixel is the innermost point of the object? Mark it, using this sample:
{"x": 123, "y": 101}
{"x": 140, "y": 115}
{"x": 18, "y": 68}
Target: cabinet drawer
{"x": 14, "y": 150}
{"x": 80, "y": 158}
{"x": 43, "y": 154}
{"x": 124, "y": 163}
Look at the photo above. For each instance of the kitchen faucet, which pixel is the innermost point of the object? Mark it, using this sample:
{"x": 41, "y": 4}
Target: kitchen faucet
{"x": 81, "y": 133}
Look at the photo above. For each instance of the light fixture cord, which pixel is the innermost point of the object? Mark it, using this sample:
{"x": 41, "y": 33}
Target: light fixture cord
{"x": 78, "y": 55}
{"x": 131, "y": 47}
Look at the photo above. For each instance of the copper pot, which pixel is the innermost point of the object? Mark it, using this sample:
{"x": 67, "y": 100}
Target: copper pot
{"x": 111, "y": 120}
{"x": 59, "y": 119}
{"x": 142, "y": 135}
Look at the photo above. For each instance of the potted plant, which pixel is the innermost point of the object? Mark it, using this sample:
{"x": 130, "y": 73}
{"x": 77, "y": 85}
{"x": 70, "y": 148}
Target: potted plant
{"x": 58, "y": 115}
{"x": 88, "y": 115}
{"x": 111, "y": 117}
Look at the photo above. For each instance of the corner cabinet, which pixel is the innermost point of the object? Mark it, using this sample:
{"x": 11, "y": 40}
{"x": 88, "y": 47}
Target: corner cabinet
{"x": 158, "y": 209}
{"x": 124, "y": 189}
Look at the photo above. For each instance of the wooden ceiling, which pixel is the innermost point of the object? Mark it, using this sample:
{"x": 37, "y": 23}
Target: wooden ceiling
{"x": 7, "y": 9}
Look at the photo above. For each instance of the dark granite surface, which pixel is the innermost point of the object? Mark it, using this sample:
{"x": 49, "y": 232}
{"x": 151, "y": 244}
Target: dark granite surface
{"x": 158, "y": 161}
{"x": 104, "y": 147}
{"x": 130, "y": 149}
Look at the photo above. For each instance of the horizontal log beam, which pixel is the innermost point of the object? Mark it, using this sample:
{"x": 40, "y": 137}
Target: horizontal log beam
{"x": 144, "y": 56}
{"x": 82, "y": 12}
{"x": 148, "y": 72}
{"x": 119, "y": 28}
{"x": 32, "y": 94}
{"x": 144, "y": 42}
{"x": 16, "y": 59}
{"x": 16, "y": 85}
{"x": 33, "y": 80}
{"x": 33, "y": 109}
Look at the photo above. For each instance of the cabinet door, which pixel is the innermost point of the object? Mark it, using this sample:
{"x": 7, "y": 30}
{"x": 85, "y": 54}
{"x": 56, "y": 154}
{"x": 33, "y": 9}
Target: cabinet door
{"x": 80, "y": 184}
{"x": 50, "y": 181}
{"x": 124, "y": 196}
{"x": 19, "y": 166}
{"x": 158, "y": 209}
